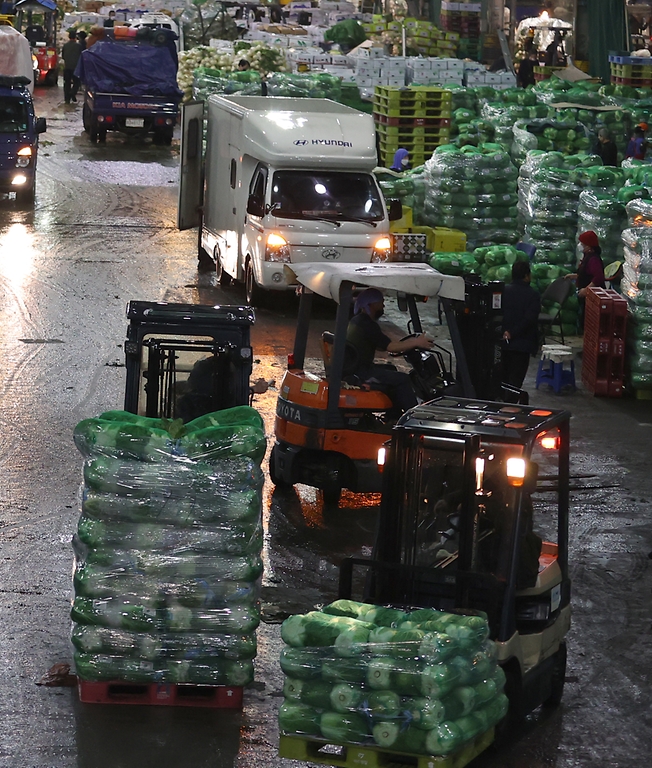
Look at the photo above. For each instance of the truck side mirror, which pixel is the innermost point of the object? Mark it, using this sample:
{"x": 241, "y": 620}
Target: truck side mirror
{"x": 40, "y": 125}
{"x": 395, "y": 210}
{"x": 255, "y": 206}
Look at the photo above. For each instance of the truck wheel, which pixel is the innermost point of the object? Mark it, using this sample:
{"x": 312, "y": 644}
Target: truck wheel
{"x": 51, "y": 78}
{"x": 223, "y": 278}
{"x": 276, "y": 480}
{"x": 25, "y": 196}
{"x": 93, "y": 133}
{"x": 253, "y": 292}
{"x": 101, "y": 137}
{"x": 86, "y": 118}
{"x": 557, "y": 678}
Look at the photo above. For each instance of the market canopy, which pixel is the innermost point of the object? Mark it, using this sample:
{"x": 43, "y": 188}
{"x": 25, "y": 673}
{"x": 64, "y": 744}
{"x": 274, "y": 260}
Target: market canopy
{"x": 416, "y": 279}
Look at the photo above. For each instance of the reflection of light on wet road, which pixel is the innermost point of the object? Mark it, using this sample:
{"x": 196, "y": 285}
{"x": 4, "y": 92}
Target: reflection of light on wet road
{"x": 16, "y": 254}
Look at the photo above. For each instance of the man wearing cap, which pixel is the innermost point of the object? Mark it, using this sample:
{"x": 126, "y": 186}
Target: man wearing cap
{"x": 637, "y": 146}
{"x": 365, "y": 335}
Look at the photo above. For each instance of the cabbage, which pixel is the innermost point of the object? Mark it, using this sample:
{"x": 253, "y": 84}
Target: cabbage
{"x": 349, "y": 728}
{"x": 295, "y": 718}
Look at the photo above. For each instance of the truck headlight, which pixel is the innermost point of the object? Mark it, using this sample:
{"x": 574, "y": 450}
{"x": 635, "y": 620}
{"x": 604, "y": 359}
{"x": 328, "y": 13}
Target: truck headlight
{"x": 24, "y": 157}
{"x": 19, "y": 179}
{"x": 276, "y": 248}
{"x": 382, "y": 249}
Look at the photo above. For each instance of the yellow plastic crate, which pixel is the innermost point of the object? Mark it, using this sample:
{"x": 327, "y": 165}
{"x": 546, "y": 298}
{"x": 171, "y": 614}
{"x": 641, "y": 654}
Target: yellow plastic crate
{"x": 448, "y": 240}
{"x": 429, "y": 232}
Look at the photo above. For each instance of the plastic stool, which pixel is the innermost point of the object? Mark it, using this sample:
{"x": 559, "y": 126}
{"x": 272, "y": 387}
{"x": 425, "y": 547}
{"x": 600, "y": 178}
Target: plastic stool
{"x": 551, "y": 367}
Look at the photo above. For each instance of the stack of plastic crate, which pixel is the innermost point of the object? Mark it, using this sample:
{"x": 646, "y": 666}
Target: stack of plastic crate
{"x": 605, "y": 325}
{"x": 416, "y": 118}
{"x": 631, "y": 70}
{"x": 464, "y": 19}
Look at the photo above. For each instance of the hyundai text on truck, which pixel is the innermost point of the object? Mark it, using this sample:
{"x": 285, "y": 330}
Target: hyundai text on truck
{"x": 282, "y": 181}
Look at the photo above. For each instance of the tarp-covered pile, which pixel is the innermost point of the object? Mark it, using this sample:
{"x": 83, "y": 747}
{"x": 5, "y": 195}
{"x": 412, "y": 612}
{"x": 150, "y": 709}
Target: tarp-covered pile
{"x": 15, "y": 55}
{"x": 424, "y": 682}
{"x": 636, "y": 284}
{"x": 472, "y": 189}
{"x": 140, "y": 69}
{"x": 168, "y": 548}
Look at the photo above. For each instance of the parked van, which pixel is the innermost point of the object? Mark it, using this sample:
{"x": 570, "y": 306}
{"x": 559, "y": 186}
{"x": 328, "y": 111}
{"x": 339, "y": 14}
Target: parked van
{"x": 286, "y": 180}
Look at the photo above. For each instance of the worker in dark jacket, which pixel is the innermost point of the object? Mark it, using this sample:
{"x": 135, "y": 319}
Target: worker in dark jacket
{"x": 70, "y": 53}
{"x": 521, "y": 307}
{"x": 606, "y": 148}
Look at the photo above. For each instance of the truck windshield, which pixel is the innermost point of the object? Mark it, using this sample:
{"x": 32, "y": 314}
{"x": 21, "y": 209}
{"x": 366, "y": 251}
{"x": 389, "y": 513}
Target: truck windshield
{"x": 13, "y": 114}
{"x": 310, "y": 194}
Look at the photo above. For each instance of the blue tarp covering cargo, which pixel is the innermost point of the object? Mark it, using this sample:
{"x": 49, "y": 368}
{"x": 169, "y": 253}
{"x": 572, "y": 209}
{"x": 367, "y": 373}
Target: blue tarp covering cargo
{"x": 139, "y": 69}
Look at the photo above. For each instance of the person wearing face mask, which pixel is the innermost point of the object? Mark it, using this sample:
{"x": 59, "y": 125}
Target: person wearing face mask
{"x": 366, "y": 336}
{"x": 401, "y": 161}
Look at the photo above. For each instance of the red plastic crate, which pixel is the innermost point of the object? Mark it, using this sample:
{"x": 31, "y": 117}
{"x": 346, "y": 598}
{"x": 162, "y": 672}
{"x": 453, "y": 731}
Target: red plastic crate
{"x": 160, "y": 694}
{"x": 616, "y": 388}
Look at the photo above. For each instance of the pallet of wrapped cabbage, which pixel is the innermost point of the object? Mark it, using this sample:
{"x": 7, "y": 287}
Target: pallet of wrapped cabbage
{"x": 214, "y": 506}
{"x": 137, "y": 613}
{"x": 158, "y": 440}
{"x": 177, "y": 479}
{"x": 107, "y": 641}
{"x": 181, "y": 565}
{"x": 221, "y": 538}
{"x": 208, "y": 671}
{"x": 97, "y": 583}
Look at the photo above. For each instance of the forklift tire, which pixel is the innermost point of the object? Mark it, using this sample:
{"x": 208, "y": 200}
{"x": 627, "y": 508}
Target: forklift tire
{"x": 277, "y": 481}
{"x": 558, "y": 678}
{"x": 253, "y": 292}
{"x": 332, "y": 495}
{"x": 86, "y": 118}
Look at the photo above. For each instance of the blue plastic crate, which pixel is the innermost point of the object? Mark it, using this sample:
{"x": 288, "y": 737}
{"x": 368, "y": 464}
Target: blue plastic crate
{"x": 630, "y": 60}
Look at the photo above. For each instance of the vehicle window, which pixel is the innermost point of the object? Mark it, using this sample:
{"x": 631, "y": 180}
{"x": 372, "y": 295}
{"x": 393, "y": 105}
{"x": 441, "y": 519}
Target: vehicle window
{"x": 14, "y": 115}
{"x": 258, "y": 181}
{"x": 315, "y": 194}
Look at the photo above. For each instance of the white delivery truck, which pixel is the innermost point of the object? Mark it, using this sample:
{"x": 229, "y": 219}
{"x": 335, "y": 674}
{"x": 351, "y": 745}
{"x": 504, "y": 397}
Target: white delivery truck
{"x": 285, "y": 180}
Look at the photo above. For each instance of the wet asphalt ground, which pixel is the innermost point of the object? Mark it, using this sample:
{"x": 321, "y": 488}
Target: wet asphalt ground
{"x": 103, "y": 233}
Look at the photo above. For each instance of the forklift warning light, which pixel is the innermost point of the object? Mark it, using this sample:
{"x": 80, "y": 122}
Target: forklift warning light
{"x": 516, "y": 471}
{"x": 549, "y": 442}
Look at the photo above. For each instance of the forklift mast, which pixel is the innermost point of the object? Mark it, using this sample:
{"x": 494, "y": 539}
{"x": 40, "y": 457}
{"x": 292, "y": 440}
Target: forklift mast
{"x": 184, "y": 360}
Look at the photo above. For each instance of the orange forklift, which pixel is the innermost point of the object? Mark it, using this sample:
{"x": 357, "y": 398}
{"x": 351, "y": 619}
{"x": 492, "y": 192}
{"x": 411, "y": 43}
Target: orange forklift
{"x": 331, "y": 427}
{"x": 37, "y": 20}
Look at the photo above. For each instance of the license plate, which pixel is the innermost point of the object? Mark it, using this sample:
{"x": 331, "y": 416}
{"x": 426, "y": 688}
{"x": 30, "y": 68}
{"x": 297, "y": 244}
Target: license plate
{"x": 134, "y": 122}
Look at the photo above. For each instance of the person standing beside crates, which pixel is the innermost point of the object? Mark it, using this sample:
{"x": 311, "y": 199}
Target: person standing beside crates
{"x": 521, "y": 307}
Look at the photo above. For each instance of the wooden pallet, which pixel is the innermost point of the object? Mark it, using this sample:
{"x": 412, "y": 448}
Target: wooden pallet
{"x": 350, "y": 756}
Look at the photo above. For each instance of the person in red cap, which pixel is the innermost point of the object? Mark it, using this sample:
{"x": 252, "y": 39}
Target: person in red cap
{"x": 637, "y": 146}
{"x": 590, "y": 271}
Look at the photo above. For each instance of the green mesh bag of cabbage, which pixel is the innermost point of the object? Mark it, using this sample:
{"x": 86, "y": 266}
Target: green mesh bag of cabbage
{"x": 424, "y": 682}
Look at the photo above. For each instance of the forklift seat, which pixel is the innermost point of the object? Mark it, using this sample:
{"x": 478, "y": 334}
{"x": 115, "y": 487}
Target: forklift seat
{"x": 350, "y": 355}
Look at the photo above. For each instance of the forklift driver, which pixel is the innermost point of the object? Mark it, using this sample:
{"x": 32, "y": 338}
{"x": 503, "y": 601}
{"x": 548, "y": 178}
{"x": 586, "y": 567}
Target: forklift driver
{"x": 365, "y": 335}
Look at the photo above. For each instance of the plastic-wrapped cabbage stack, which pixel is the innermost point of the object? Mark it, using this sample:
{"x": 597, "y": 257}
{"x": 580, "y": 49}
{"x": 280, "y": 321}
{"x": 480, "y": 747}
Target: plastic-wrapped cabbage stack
{"x": 472, "y": 189}
{"x": 550, "y": 136}
{"x": 636, "y": 285}
{"x": 422, "y": 682}
{"x": 167, "y": 550}
{"x": 208, "y": 81}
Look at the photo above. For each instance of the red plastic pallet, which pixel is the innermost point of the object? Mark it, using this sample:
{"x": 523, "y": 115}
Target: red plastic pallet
{"x": 605, "y": 324}
{"x": 160, "y": 694}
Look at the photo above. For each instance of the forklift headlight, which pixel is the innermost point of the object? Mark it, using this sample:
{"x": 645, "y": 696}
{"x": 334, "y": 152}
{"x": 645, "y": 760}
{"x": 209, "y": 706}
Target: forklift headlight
{"x": 516, "y": 471}
{"x": 277, "y": 248}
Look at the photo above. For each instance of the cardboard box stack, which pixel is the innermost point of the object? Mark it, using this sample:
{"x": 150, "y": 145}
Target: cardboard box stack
{"x": 435, "y": 71}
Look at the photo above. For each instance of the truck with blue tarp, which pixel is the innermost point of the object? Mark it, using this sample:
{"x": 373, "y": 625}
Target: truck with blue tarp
{"x": 131, "y": 86}
{"x": 19, "y": 132}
